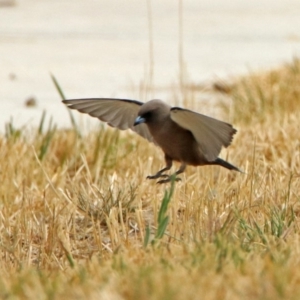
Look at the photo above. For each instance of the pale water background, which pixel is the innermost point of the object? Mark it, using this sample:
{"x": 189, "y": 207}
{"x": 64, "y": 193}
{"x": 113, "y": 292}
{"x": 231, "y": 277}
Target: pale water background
{"x": 98, "y": 48}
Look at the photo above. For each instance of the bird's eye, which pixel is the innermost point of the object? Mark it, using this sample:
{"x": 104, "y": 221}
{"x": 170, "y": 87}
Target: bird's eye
{"x": 147, "y": 115}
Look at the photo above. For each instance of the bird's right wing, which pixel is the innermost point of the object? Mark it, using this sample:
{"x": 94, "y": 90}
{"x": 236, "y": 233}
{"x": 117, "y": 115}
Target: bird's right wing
{"x": 210, "y": 134}
{"x": 119, "y": 113}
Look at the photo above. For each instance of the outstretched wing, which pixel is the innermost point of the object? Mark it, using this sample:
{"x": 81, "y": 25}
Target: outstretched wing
{"x": 119, "y": 113}
{"x": 210, "y": 134}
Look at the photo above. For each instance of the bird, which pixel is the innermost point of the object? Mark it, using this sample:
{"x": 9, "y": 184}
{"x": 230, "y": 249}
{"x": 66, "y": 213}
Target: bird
{"x": 183, "y": 135}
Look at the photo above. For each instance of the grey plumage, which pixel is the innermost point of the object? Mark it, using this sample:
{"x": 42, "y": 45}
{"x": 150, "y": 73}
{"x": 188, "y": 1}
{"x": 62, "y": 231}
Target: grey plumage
{"x": 184, "y": 135}
{"x": 119, "y": 113}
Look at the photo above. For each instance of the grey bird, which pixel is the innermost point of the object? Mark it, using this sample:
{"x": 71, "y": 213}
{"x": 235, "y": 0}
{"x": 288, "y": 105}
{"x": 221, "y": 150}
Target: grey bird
{"x": 184, "y": 135}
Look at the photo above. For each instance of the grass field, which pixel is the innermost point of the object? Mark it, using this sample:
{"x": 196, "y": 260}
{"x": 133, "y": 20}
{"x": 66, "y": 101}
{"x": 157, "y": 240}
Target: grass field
{"x": 79, "y": 220}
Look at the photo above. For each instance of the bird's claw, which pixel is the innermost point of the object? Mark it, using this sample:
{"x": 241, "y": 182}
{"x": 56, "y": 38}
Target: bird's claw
{"x": 169, "y": 179}
{"x": 157, "y": 176}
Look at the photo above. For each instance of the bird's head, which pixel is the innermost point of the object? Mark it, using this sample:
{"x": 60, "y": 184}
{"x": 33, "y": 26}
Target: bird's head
{"x": 152, "y": 111}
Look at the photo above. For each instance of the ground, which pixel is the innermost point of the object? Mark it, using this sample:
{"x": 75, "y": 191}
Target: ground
{"x": 79, "y": 220}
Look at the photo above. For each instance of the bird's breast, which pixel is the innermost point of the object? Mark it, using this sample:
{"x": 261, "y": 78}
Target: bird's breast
{"x": 177, "y": 142}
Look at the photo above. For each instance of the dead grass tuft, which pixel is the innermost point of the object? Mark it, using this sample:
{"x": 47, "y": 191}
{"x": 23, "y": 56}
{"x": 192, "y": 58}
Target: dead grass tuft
{"x": 264, "y": 96}
{"x": 78, "y": 219}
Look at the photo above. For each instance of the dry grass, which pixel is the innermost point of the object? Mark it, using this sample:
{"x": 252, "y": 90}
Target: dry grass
{"x": 78, "y": 219}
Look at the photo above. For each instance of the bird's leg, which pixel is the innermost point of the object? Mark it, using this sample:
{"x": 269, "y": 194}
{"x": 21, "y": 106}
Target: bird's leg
{"x": 173, "y": 176}
{"x": 166, "y": 168}
{"x": 181, "y": 169}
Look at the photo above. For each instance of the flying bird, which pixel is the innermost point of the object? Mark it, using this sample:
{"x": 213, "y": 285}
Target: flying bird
{"x": 184, "y": 135}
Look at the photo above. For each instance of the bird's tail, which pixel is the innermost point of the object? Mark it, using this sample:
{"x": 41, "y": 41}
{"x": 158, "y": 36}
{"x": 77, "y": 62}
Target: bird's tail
{"x": 225, "y": 164}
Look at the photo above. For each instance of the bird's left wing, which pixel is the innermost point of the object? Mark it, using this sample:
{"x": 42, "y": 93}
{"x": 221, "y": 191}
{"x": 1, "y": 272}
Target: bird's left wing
{"x": 210, "y": 134}
{"x": 119, "y": 113}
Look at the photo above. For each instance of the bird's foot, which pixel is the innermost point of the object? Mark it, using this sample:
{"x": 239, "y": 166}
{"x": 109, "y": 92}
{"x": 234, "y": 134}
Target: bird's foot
{"x": 169, "y": 179}
{"x": 157, "y": 176}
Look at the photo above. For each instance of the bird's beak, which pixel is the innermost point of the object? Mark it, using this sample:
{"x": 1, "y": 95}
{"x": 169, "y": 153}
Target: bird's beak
{"x": 139, "y": 120}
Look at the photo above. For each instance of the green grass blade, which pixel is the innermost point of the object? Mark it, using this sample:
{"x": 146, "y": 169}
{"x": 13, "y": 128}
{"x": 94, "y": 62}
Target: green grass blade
{"x": 63, "y": 97}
